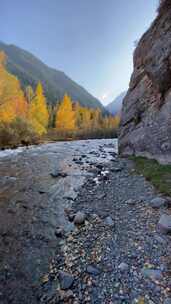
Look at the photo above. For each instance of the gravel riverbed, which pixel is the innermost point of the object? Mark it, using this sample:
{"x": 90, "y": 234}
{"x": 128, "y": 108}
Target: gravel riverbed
{"x": 79, "y": 226}
{"x": 118, "y": 255}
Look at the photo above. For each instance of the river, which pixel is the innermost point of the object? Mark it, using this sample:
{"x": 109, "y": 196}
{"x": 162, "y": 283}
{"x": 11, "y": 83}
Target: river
{"x": 37, "y": 183}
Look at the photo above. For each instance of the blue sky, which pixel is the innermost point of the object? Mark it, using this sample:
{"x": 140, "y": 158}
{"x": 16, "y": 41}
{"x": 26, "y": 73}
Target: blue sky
{"x": 92, "y": 41}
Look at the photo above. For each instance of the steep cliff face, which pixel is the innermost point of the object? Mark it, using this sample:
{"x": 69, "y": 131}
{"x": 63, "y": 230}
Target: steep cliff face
{"x": 146, "y": 114}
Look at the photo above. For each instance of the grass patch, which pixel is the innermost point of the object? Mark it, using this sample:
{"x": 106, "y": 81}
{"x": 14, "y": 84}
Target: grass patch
{"x": 158, "y": 175}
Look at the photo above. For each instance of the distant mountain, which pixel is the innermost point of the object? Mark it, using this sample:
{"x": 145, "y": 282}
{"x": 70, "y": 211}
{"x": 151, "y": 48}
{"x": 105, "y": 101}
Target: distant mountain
{"x": 30, "y": 70}
{"x": 115, "y": 106}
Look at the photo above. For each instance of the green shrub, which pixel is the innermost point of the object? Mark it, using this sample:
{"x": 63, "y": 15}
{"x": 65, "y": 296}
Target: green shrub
{"x": 18, "y": 132}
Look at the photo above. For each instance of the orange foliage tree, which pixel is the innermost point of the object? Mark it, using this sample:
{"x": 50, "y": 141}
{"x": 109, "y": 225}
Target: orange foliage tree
{"x": 12, "y": 100}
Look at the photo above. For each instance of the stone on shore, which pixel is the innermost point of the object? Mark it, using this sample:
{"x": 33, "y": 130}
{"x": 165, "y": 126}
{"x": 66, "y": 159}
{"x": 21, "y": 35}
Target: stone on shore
{"x": 158, "y": 202}
{"x": 165, "y": 224}
{"x": 79, "y": 218}
{"x": 66, "y": 280}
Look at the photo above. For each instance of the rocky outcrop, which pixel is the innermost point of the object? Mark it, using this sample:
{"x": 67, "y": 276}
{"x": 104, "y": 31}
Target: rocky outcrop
{"x": 146, "y": 114}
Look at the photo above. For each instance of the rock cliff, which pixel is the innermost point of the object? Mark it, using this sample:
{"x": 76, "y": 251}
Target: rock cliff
{"x": 146, "y": 114}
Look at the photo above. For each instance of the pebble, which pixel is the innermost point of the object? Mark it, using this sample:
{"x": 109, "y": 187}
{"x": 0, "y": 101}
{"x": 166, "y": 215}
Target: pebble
{"x": 109, "y": 221}
{"x": 66, "y": 280}
{"x": 92, "y": 270}
{"x": 123, "y": 267}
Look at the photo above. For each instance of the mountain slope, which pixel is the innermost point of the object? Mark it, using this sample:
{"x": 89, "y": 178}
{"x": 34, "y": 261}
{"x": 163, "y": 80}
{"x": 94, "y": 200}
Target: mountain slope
{"x": 30, "y": 70}
{"x": 115, "y": 106}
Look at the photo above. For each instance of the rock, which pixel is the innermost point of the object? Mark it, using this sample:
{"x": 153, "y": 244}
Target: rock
{"x": 99, "y": 166}
{"x": 79, "y": 218}
{"x": 123, "y": 267}
{"x": 153, "y": 274}
{"x": 70, "y": 213}
{"x": 58, "y": 174}
{"x": 93, "y": 270}
{"x": 165, "y": 224}
{"x": 160, "y": 240}
{"x": 146, "y": 112}
{"x": 66, "y": 295}
{"x": 59, "y": 232}
{"x": 109, "y": 221}
{"x": 101, "y": 196}
{"x": 131, "y": 202}
{"x": 69, "y": 227}
{"x": 167, "y": 301}
{"x": 116, "y": 169}
{"x": 71, "y": 216}
{"x": 158, "y": 202}
{"x": 66, "y": 280}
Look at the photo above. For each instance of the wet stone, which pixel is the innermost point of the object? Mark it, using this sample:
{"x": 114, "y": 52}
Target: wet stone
{"x": 66, "y": 280}
{"x": 93, "y": 270}
{"x": 58, "y": 174}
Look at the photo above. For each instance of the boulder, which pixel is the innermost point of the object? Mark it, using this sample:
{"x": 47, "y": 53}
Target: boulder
{"x": 165, "y": 223}
{"x": 158, "y": 202}
{"x": 79, "y": 218}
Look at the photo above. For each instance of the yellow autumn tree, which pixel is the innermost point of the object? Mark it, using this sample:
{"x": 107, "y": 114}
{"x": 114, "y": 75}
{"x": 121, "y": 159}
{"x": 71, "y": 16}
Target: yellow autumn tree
{"x": 12, "y": 101}
{"x": 65, "y": 116}
{"x": 86, "y": 122}
{"x": 96, "y": 118}
{"x": 111, "y": 122}
{"x": 38, "y": 111}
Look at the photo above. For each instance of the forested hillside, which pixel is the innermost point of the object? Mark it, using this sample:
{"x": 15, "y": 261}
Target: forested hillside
{"x": 25, "y": 115}
{"x": 30, "y": 70}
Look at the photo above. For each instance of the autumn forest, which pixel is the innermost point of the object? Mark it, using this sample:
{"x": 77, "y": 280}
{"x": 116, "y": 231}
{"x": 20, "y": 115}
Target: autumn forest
{"x": 27, "y": 117}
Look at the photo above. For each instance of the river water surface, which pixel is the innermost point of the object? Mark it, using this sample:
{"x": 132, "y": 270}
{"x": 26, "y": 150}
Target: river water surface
{"x": 32, "y": 202}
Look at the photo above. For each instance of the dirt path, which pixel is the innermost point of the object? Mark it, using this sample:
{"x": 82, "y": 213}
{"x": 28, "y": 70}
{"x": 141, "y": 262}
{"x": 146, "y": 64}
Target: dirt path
{"x": 119, "y": 254}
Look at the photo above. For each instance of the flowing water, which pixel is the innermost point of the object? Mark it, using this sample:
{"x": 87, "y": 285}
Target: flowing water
{"x": 32, "y": 203}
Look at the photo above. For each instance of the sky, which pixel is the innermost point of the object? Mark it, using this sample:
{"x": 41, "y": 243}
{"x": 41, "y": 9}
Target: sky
{"x": 92, "y": 41}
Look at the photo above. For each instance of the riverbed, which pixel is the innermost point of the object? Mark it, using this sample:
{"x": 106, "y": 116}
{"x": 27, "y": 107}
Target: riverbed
{"x": 37, "y": 184}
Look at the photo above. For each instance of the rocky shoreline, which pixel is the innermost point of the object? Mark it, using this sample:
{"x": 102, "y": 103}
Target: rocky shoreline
{"x": 119, "y": 251}
{"x": 86, "y": 228}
